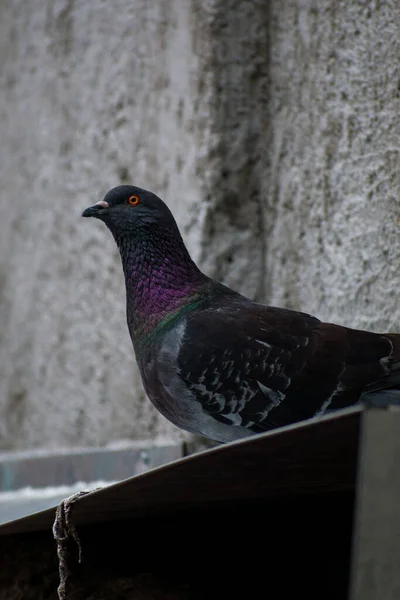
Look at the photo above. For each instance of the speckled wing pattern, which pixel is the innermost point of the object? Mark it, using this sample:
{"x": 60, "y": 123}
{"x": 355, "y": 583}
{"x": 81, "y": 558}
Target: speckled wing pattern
{"x": 263, "y": 367}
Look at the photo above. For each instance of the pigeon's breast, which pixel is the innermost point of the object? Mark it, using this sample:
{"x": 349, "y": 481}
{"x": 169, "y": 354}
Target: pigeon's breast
{"x": 171, "y": 396}
{"x": 161, "y": 380}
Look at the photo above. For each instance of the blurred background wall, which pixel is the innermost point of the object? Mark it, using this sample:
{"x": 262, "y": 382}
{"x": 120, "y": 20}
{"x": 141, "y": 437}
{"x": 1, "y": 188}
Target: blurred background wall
{"x": 272, "y": 131}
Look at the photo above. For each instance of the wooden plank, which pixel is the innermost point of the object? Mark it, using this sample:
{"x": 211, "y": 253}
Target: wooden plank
{"x": 376, "y": 562}
{"x": 314, "y": 457}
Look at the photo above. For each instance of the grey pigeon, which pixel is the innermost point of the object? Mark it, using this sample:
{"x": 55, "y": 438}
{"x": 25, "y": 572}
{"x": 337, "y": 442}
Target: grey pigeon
{"x": 217, "y": 364}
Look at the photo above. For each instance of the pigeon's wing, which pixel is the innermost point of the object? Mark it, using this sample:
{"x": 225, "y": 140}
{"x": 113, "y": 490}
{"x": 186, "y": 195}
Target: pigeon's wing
{"x": 263, "y": 367}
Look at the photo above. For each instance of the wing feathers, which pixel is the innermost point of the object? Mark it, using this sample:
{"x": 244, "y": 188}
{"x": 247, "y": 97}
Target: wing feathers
{"x": 265, "y": 367}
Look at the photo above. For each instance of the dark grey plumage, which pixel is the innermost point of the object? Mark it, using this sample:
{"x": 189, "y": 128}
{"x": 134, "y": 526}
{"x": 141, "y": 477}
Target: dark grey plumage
{"x": 214, "y": 362}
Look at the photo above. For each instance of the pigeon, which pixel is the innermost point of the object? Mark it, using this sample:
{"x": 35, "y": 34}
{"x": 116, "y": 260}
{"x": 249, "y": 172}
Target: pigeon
{"x": 214, "y": 362}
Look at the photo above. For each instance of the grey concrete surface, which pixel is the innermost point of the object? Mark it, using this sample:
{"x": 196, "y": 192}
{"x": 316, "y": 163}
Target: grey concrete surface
{"x": 376, "y": 543}
{"x": 271, "y": 130}
{"x": 332, "y": 191}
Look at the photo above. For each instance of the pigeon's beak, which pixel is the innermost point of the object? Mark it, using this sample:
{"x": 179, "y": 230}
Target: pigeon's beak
{"x": 96, "y": 210}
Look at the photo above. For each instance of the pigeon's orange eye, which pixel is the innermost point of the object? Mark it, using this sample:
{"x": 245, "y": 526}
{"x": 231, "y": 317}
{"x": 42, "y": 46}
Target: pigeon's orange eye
{"x": 133, "y": 200}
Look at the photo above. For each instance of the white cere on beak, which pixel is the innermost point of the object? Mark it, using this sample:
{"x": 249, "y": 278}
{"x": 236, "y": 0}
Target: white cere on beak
{"x": 102, "y": 203}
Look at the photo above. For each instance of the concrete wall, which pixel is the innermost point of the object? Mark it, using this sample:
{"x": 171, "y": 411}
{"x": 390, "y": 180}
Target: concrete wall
{"x": 333, "y": 188}
{"x": 272, "y": 131}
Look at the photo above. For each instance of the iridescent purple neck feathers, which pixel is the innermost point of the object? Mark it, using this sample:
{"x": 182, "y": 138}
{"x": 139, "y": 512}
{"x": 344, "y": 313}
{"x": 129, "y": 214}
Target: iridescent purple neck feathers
{"x": 161, "y": 280}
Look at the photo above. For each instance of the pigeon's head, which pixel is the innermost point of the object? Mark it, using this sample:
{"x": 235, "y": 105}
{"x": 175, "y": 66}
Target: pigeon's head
{"x": 126, "y": 209}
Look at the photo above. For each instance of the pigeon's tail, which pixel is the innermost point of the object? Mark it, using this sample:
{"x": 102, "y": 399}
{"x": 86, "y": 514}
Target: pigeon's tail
{"x": 395, "y": 340}
{"x": 386, "y": 392}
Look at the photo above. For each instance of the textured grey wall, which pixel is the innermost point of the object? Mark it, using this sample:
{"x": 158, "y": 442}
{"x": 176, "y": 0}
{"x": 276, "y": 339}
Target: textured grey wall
{"x": 333, "y": 187}
{"x": 272, "y": 131}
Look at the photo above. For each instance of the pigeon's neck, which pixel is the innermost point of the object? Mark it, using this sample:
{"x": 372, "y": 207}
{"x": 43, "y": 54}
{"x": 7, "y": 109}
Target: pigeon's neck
{"x": 161, "y": 281}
